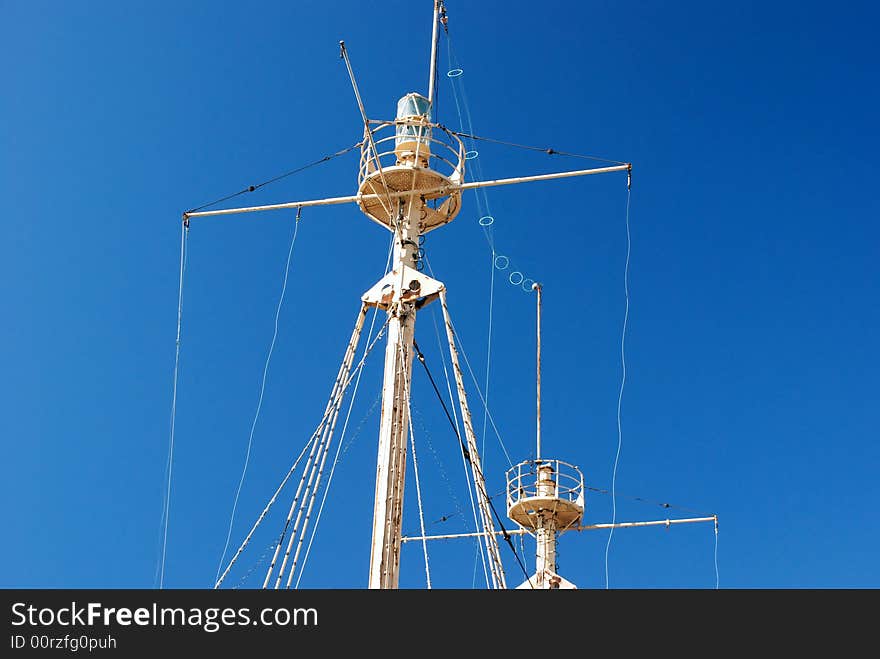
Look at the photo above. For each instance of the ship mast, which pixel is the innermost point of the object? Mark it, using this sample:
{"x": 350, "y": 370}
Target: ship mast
{"x": 412, "y": 150}
{"x": 545, "y": 497}
{"x": 410, "y": 181}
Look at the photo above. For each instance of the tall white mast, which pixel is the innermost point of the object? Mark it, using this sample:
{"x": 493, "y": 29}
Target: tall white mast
{"x": 394, "y": 426}
{"x": 400, "y": 294}
{"x": 545, "y": 497}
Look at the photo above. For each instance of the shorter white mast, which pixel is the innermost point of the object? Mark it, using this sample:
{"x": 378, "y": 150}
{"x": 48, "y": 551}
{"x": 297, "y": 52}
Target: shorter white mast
{"x": 545, "y": 497}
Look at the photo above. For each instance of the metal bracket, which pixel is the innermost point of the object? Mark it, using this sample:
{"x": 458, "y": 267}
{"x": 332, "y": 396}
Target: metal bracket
{"x": 406, "y": 285}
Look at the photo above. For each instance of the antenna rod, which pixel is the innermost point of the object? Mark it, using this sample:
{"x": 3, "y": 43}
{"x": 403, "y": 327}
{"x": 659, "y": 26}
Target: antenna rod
{"x": 343, "y": 53}
{"x": 433, "y": 70}
{"x": 537, "y": 287}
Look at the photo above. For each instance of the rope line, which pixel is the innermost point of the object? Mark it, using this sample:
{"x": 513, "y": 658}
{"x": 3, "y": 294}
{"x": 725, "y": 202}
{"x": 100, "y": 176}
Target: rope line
{"x": 184, "y": 233}
{"x": 648, "y": 501}
{"x": 315, "y": 486}
{"x": 312, "y": 439}
{"x": 262, "y": 391}
{"x": 548, "y": 151}
{"x": 622, "y": 384}
{"x": 488, "y": 232}
{"x": 421, "y": 357}
{"x": 266, "y": 510}
{"x": 253, "y": 567}
{"x": 448, "y": 516}
{"x": 313, "y": 497}
{"x": 488, "y": 353}
{"x": 357, "y": 431}
{"x": 252, "y": 188}
{"x": 459, "y": 511}
{"x": 474, "y": 466}
{"x": 486, "y": 219}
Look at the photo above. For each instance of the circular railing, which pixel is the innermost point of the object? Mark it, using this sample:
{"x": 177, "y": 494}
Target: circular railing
{"x": 445, "y": 155}
{"x": 529, "y": 480}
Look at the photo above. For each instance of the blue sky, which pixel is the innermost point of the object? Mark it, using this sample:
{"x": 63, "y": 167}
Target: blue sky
{"x": 751, "y": 358}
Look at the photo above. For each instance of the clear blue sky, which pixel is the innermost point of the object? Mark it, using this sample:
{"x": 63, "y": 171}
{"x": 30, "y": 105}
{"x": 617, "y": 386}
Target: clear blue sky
{"x": 751, "y": 349}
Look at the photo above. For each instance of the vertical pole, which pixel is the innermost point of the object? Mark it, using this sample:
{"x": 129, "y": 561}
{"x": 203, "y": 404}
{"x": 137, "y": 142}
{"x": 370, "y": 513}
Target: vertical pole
{"x": 433, "y": 69}
{"x": 536, "y": 286}
{"x": 394, "y": 425}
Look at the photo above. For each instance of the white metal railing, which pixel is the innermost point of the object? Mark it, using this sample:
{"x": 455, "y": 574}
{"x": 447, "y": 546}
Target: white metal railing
{"x": 445, "y": 156}
{"x": 566, "y": 483}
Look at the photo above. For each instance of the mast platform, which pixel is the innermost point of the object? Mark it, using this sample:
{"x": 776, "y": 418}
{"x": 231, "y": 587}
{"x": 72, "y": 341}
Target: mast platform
{"x": 542, "y": 489}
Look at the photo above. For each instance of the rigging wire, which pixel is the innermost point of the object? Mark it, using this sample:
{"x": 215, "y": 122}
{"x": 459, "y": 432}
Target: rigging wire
{"x": 479, "y": 545}
{"x": 486, "y": 219}
{"x": 648, "y": 501}
{"x": 448, "y": 516}
{"x": 421, "y": 357}
{"x": 412, "y": 439}
{"x": 469, "y": 458}
{"x": 344, "y": 428}
{"x": 259, "y": 562}
{"x": 505, "y": 534}
{"x": 467, "y": 114}
{"x": 332, "y": 411}
{"x": 262, "y": 390}
{"x": 488, "y": 350}
{"x": 357, "y": 431}
{"x": 622, "y": 384}
{"x": 184, "y": 234}
{"x": 313, "y": 497}
{"x": 459, "y": 511}
{"x": 268, "y": 507}
{"x": 312, "y": 469}
{"x": 252, "y": 188}
{"x": 485, "y": 212}
{"x": 548, "y": 151}
{"x": 473, "y": 377}
{"x": 312, "y": 439}
{"x": 485, "y": 222}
